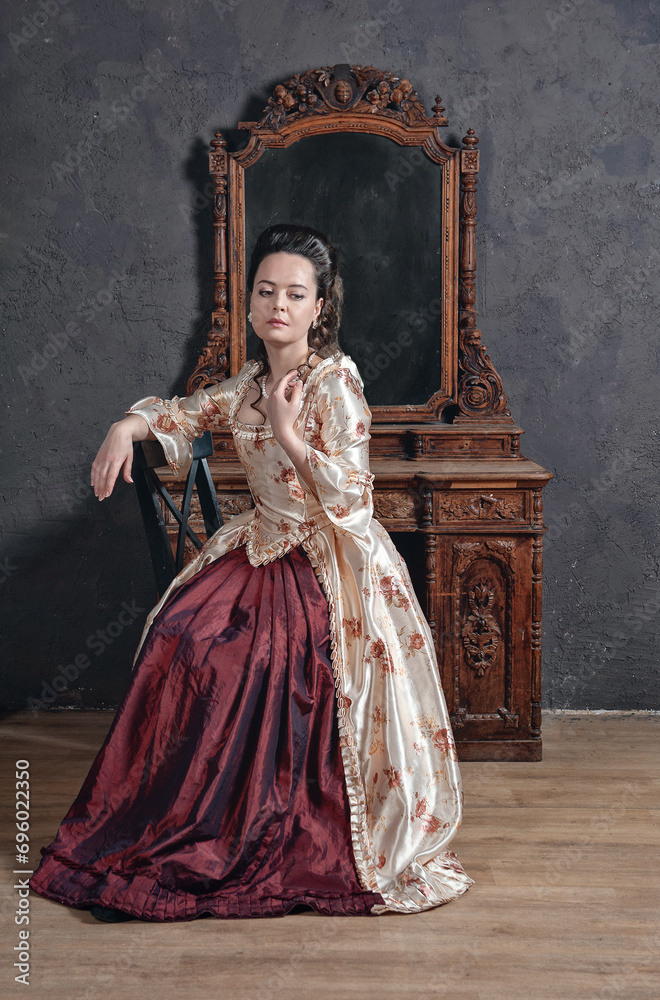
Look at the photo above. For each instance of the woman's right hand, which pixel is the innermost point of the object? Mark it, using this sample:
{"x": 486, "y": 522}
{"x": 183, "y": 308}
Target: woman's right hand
{"x": 116, "y": 453}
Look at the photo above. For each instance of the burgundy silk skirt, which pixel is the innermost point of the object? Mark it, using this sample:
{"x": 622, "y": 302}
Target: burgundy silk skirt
{"x": 219, "y": 788}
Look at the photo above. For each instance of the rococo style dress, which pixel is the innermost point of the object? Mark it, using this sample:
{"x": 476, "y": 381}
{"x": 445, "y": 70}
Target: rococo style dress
{"x": 284, "y": 739}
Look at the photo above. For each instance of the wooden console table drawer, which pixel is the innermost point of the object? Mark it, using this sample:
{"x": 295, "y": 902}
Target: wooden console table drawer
{"x": 480, "y": 506}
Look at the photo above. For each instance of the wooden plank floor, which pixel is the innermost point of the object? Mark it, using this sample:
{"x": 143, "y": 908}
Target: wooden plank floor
{"x": 564, "y": 853}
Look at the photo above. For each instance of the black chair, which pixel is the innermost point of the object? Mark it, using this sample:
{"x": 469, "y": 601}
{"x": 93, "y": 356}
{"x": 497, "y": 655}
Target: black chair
{"x": 149, "y": 456}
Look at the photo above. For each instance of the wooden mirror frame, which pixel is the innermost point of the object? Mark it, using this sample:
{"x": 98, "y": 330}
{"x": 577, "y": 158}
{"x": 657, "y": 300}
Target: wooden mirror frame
{"x": 359, "y": 99}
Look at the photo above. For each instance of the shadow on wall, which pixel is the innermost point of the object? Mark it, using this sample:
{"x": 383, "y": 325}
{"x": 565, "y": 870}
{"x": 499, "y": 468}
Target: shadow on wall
{"x": 77, "y": 655}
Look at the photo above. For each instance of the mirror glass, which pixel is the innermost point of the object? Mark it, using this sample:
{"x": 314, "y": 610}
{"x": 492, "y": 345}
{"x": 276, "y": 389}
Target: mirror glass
{"x": 380, "y": 204}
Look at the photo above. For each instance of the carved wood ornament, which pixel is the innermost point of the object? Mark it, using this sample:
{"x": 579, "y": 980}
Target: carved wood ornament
{"x": 480, "y": 632}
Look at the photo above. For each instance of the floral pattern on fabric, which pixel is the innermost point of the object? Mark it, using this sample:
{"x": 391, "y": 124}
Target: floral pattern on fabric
{"x": 440, "y": 736}
{"x": 178, "y": 421}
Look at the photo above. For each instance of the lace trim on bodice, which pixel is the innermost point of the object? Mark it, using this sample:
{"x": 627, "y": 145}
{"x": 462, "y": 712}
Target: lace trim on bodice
{"x": 240, "y": 429}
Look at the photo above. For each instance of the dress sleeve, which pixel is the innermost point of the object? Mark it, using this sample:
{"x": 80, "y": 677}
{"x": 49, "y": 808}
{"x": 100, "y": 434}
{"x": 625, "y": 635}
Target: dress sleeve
{"x": 178, "y": 421}
{"x": 339, "y": 453}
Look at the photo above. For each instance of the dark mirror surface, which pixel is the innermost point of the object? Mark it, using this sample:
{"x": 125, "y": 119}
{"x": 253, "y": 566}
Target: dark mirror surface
{"x": 380, "y": 204}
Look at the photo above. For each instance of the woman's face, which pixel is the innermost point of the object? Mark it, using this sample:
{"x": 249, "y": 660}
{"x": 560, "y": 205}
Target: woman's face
{"x": 283, "y": 300}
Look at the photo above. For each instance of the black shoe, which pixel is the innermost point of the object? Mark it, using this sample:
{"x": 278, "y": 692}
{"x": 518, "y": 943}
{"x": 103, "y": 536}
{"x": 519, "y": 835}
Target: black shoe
{"x": 109, "y": 915}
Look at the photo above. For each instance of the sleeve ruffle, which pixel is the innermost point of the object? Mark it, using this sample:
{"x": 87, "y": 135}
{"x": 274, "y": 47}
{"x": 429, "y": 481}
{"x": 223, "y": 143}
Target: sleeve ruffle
{"x": 178, "y": 421}
{"x": 340, "y": 464}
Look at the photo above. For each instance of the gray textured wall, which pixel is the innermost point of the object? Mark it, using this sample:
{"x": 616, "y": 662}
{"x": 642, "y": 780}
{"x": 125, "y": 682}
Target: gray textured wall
{"x": 107, "y": 110}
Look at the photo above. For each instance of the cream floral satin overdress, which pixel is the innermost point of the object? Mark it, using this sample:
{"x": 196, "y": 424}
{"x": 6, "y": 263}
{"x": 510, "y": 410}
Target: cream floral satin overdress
{"x": 400, "y": 762}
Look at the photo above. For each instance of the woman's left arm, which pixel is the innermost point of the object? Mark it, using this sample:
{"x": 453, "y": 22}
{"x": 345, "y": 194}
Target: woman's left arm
{"x": 282, "y": 407}
{"x": 336, "y": 466}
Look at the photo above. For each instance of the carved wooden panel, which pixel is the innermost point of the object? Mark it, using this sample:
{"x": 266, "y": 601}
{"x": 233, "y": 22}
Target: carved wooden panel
{"x": 483, "y": 505}
{"x": 482, "y": 588}
{"x": 397, "y": 505}
{"x": 485, "y": 640}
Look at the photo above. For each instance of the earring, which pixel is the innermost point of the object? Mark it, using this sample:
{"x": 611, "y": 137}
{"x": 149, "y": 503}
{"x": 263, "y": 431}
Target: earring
{"x": 315, "y": 324}
{"x": 250, "y": 316}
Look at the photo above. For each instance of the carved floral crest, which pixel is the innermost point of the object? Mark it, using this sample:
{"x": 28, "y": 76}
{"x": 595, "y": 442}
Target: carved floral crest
{"x": 362, "y": 89}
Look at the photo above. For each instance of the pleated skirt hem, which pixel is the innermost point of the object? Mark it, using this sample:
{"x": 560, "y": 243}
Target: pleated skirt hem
{"x": 146, "y": 899}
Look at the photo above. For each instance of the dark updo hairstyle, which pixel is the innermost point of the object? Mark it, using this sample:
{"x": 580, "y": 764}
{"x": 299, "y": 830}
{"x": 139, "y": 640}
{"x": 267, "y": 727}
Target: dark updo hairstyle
{"x": 312, "y": 244}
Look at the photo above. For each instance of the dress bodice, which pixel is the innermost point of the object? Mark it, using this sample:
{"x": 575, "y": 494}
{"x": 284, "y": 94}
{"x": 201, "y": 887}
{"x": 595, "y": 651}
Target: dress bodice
{"x": 285, "y": 510}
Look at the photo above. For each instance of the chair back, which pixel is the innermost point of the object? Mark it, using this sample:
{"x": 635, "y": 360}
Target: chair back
{"x": 155, "y": 499}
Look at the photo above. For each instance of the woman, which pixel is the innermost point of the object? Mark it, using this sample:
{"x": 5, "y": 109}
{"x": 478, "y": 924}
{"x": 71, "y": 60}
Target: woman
{"x": 234, "y": 781}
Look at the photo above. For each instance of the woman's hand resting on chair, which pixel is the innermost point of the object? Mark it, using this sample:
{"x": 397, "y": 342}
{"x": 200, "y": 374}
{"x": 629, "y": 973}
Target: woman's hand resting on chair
{"x": 116, "y": 453}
